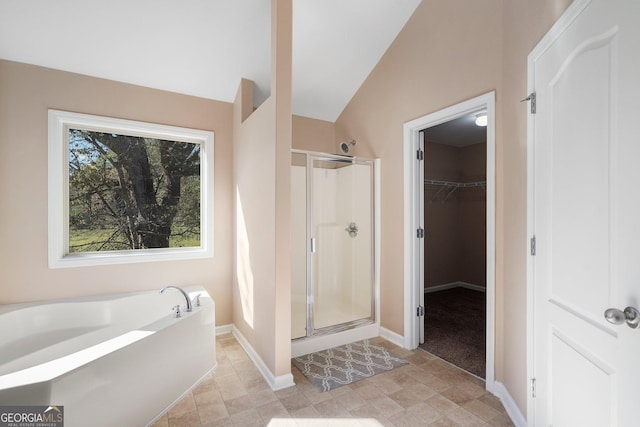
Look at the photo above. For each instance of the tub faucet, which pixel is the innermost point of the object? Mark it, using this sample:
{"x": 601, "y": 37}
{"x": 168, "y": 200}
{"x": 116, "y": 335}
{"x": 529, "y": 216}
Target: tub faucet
{"x": 176, "y": 311}
{"x": 186, "y": 297}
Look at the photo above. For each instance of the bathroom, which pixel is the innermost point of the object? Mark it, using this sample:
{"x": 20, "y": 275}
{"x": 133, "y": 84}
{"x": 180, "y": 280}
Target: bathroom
{"x": 249, "y": 273}
{"x": 29, "y": 263}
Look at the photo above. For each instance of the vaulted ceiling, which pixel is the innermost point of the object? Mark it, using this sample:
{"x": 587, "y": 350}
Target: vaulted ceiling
{"x": 204, "y": 47}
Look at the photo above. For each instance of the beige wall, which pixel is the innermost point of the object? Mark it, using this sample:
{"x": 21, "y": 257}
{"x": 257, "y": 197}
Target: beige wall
{"x": 314, "y": 135}
{"x": 26, "y": 92}
{"x": 441, "y": 224}
{"x": 473, "y": 215}
{"x": 455, "y": 244}
{"x": 282, "y": 16}
{"x": 448, "y": 52}
{"x": 262, "y": 181}
{"x": 254, "y": 191}
{"x": 524, "y": 24}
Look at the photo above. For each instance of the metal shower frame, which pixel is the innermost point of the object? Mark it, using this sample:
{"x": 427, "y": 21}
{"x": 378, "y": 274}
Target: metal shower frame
{"x": 310, "y": 157}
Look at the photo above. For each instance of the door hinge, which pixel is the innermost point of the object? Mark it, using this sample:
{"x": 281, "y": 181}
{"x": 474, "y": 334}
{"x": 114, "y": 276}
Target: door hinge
{"x": 532, "y": 245}
{"x": 533, "y": 387}
{"x": 420, "y": 155}
{"x": 420, "y": 311}
{"x": 420, "y": 233}
{"x": 532, "y": 98}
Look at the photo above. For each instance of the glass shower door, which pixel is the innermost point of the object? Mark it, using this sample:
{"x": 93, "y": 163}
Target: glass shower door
{"x": 341, "y": 226}
{"x": 299, "y": 246}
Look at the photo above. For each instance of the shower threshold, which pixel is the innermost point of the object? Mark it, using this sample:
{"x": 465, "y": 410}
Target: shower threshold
{"x": 328, "y": 330}
{"x": 334, "y": 336}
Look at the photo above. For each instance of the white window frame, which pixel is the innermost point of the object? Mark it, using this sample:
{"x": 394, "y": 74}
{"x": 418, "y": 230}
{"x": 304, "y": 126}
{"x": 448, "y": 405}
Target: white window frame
{"x": 58, "y": 214}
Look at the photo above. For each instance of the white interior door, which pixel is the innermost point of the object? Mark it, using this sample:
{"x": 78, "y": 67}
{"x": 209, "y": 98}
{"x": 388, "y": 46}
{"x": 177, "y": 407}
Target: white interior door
{"x": 586, "y": 216}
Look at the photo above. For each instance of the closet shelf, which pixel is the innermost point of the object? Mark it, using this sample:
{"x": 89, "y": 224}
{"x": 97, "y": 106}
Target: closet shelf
{"x": 449, "y": 187}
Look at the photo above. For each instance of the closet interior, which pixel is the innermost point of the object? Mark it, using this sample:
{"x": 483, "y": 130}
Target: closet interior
{"x": 455, "y": 243}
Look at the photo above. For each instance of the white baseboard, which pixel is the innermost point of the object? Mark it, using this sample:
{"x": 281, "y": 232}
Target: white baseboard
{"x": 455, "y": 285}
{"x": 224, "y": 329}
{"x": 391, "y": 336}
{"x": 276, "y": 383}
{"x": 509, "y": 405}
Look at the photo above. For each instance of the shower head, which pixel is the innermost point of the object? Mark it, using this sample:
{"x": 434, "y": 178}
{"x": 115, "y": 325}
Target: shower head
{"x": 344, "y": 147}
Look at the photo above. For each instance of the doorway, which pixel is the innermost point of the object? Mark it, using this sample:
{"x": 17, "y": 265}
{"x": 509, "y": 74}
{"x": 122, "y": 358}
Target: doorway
{"x": 455, "y": 241}
{"x": 415, "y": 199}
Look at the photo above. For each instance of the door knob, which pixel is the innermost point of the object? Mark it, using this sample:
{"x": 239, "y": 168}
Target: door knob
{"x": 630, "y": 315}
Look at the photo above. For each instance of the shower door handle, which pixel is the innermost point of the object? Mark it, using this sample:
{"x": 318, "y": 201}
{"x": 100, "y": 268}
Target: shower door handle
{"x": 313, "y": 245}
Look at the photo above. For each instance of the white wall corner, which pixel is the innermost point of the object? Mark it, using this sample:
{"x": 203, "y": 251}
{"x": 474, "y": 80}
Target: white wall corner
{"x": 391, "y": 336}
{"x": 509, "y": 405}
{"x": 276, "y": 383}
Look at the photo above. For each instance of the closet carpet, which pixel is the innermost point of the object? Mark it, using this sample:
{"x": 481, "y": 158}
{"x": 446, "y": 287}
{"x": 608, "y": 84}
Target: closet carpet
{"x": 454, "y": 328}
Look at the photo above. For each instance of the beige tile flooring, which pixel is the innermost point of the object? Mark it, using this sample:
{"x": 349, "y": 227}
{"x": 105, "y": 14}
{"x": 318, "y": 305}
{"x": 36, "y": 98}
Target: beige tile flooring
{"x": 426, "y": 392}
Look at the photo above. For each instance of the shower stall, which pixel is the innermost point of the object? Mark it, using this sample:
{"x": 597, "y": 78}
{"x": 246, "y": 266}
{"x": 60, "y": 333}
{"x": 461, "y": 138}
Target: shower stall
{"x": 333, "y": 249}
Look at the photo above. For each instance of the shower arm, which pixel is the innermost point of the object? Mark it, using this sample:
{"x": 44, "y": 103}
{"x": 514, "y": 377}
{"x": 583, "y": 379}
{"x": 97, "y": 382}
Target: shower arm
{"x": 344, "y": 146}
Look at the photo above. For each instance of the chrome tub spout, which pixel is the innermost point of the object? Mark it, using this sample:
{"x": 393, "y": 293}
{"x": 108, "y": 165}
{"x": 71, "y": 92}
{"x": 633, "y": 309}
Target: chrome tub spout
{"x": 186, "y": 297}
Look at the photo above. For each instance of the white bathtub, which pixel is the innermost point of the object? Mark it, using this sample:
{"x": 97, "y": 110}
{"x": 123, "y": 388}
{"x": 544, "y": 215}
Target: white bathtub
{"x": 117, "y": 360}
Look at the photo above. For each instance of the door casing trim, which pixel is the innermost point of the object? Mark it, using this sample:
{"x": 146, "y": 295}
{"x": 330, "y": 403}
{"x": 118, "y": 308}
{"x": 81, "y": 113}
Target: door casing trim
{"x": 413, "y": 215}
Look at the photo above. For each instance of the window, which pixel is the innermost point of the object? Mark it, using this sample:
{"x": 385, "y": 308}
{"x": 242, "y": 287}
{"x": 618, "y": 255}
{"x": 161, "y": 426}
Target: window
{"x": 122, "y": 191}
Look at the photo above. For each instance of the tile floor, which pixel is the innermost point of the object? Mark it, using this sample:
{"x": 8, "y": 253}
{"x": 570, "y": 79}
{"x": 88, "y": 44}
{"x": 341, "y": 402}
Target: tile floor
{"x": 427, "y": 392}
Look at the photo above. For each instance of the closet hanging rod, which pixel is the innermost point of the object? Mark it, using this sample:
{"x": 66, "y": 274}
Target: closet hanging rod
{"x": 449, "y": 187}
{"x": 482, "y": 184}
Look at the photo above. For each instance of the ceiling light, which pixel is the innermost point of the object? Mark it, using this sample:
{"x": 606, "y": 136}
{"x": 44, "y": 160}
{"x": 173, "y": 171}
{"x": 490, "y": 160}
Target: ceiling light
{"x": 481, "y": 119}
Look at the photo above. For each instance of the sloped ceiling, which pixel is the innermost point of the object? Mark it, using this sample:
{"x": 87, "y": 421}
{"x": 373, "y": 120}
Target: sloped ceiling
{"x": 204, "y": 47}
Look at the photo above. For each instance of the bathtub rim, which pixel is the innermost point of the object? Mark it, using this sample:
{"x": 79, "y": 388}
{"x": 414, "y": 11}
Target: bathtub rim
{"x": 38, "y": 374}
{"x": 6, "y": 308}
